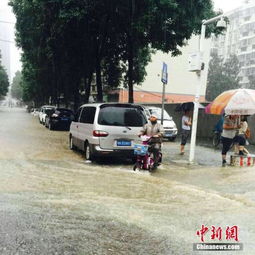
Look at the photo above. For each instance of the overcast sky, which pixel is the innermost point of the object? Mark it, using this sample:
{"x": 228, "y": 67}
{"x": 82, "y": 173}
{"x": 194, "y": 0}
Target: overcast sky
{"x": 227, "y": 5}
{"x": 7, "y": 15}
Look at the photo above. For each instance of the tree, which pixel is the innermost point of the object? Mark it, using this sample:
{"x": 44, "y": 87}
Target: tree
{"x": 16, "y": 86}
{"x": 222, "y": 75}
{"x": 161, "y": 25}
{"x": 4, "y": 82}
{"x": 67, "y": 43}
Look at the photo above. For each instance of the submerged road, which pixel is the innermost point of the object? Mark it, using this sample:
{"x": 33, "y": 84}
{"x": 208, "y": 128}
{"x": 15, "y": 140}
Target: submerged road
{"x": 52, "y": 202}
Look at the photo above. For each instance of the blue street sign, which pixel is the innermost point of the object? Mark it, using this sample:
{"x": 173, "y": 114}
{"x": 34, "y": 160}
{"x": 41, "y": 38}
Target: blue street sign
{"x": 164, "y": 73}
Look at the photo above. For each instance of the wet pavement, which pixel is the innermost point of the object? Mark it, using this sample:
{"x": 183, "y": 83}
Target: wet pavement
{"x": 52, "y": 202}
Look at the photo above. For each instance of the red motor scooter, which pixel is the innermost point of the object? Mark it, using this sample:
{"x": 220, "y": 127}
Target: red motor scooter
{"x": 148, "y": 154}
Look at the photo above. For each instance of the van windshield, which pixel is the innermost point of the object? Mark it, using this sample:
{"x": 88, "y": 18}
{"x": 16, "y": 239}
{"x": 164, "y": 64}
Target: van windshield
{"x": 121, "y": 116}
{"x": 157, "y": 112}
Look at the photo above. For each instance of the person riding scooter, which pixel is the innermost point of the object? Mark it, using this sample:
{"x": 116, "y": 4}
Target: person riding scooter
{"x": 155, "y": 130}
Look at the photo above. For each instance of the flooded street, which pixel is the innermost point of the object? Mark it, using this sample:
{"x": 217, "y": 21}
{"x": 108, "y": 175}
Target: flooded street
{"x": 52, "y": 202}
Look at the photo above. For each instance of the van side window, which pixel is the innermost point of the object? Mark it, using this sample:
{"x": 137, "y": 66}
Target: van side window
{"x": 77, "y": 115}
{"x": 88, "y": 115}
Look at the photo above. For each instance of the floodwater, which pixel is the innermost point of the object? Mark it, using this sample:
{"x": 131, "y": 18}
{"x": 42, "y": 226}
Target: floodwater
{"x": 53, "y": 202}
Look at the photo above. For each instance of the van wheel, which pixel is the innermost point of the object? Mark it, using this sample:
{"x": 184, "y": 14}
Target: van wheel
{"x": 71, "y": 145}
{"x": 88, "y": 153}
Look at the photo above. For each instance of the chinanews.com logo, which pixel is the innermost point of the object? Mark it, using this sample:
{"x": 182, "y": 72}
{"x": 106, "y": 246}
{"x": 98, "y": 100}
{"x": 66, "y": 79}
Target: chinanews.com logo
{"x": 228, "y": 234}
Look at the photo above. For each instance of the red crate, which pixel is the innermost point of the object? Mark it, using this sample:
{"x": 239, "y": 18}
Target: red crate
{"x": 237, "y": 160}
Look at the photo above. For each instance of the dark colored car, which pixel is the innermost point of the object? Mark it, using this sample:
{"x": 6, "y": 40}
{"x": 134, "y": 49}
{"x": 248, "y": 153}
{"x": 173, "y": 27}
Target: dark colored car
{"x": 59, "y": 118}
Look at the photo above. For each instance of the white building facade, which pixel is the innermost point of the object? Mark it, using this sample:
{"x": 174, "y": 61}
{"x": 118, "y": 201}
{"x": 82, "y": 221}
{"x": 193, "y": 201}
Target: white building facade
{"x": 182, "y": 84}
{"x": 5, "y": 44}
{"x": 239, "y": 40}
{"x": 10, "y": 53}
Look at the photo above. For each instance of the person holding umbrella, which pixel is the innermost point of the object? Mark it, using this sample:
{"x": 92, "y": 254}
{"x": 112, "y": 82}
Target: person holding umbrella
{"x": 232, "y": 102}
{"x": 230, "y": 127}
{"x": 186, "y": 127}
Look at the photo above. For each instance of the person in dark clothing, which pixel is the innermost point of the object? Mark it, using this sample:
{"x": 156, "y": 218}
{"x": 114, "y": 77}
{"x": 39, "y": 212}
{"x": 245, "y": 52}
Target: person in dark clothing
{"x": 186, "y": 127}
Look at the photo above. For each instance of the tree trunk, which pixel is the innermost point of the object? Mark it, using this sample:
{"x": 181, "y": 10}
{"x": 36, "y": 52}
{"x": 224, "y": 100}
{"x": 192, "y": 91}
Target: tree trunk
{"x": 76, "y": 97}
{"x": 130, "y": 70}
{"x": 66, "y": 101}
{"x": 130, "y": 47}
{"x": 99, "y": 81}
{"x": 88, "y": 87}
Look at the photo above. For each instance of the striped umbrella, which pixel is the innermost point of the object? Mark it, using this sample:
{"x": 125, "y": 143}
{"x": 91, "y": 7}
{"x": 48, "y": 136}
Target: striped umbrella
{"x": 233, "y": 102}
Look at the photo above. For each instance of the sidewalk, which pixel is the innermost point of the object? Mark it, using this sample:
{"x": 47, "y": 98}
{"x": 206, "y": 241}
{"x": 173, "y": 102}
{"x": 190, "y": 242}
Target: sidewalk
{"x": 205, "y": 154}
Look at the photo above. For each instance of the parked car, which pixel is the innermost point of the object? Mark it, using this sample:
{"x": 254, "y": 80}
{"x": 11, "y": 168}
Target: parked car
{"x": 44, "y": 110}
{"x": 59, "y": 118}
{"x": 169, "y": 125}
{"x": 35, "y": 111}
{"x": 107, "y": 129}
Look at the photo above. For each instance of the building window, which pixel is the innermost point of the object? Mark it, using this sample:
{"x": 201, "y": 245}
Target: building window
{"x": 244, "y": 43}
{"x": 247, "y": 18}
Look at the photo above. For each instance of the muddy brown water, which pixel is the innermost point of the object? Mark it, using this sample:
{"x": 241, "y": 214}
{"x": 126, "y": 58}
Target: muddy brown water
{"x": 52, "y": 202}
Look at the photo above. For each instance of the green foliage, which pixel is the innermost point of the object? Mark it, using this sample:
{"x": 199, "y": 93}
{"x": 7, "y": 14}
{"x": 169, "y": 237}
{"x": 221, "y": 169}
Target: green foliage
{"x": 65, "y": 43}
{"x": 16, "y": 86}
{"x": 4, "y": 82}
{"x": 222, "y": 75}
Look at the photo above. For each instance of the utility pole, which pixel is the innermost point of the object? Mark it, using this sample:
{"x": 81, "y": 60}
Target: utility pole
{"x": 164, "y": 77}
{"x": 198, "y": 69}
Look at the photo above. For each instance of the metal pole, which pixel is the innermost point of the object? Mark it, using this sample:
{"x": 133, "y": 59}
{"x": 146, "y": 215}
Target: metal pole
{"x": 196, "y": 101}
{"x": 163, "y": 103}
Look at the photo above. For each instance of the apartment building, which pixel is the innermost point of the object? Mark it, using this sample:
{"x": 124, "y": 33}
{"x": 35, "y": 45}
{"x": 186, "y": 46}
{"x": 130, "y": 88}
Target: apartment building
{"x": 239, "y": 40}
{"x": 5, "y": 46}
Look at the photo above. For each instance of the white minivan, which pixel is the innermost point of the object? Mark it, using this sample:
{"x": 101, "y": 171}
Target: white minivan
{"x": 107, "y": 129}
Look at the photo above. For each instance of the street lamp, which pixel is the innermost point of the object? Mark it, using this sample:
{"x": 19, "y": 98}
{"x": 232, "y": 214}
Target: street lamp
{"x": 220, "y": 24}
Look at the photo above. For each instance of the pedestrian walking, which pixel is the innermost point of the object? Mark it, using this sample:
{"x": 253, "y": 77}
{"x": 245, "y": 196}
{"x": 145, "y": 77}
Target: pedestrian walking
{"x": 186, "y": 127}
{"x": 230, "y": 126}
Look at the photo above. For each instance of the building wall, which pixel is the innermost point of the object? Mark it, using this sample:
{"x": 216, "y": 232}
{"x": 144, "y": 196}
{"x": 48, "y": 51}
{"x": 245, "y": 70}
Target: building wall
{"x": 156, "y": 97}
{"x": 239, "y": 39}
{"x": 5, "y": 46}
{"x": 182, "y": 84}
{"x": 10, "y": 53}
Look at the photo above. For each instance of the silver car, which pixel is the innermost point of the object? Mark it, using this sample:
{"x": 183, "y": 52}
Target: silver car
{"x": 106, "y": 129}
{"x": 44, "y": 111}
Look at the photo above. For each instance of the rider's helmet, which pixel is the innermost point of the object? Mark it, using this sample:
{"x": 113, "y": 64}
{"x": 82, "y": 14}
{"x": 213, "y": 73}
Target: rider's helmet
{"x": 153, "y": 117}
